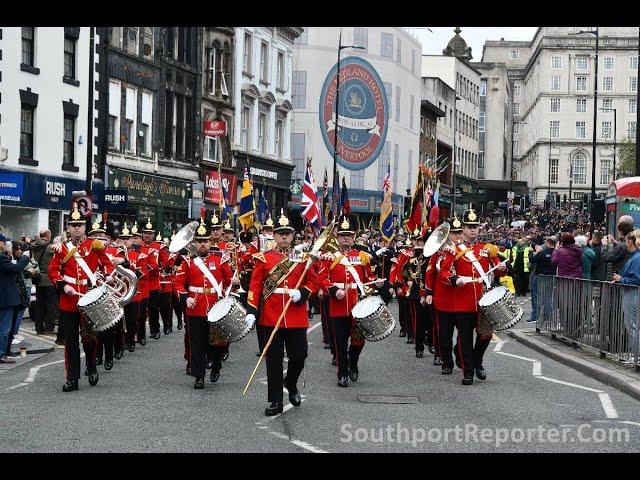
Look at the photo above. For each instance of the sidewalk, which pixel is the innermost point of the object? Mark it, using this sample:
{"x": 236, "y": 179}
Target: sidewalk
{"x": 612, "y": 372}
{"x": 36, "y": 345}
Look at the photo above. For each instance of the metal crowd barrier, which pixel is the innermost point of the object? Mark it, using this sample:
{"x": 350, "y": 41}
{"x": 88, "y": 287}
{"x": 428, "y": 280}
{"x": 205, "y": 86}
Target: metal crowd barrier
{"x": 600, "y": 315}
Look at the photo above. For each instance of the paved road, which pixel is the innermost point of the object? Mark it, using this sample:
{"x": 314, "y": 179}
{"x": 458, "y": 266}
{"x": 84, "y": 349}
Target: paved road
{"x": 147, "y": 404}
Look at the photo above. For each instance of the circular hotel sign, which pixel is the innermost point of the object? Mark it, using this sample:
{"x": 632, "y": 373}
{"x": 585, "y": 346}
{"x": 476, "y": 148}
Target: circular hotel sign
{"x": 363, "y": 113}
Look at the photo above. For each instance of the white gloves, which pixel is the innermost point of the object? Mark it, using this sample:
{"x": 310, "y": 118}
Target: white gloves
{"x": 381, "y": 251}
{"x": 250, "y": 319}
{"x": 295, "y": 295}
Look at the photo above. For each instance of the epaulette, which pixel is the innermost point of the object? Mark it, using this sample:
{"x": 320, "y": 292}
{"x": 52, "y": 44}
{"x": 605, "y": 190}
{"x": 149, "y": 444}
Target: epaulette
{"x": 365, "y": 258}
{"x": 492, "y": 249}
{"x": 225, "y": 258}
{"x": 394, "y": 260}
{"x": 259, "y": 256}
{"x": 98, "y": 245}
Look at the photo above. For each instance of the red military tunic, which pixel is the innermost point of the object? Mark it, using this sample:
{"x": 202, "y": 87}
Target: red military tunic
{"x": 152, "y": 251}
{"x": 464, "y": 298}
{"x": 139, "y": 267}
{"x": 191, "y": 282}
{"x": 397, "y": 279}
{"x": 64, "y": 270}
{"x": 335, "y": 274}
{"x": 166, "y": 262}
{"x": 296, "y": 316}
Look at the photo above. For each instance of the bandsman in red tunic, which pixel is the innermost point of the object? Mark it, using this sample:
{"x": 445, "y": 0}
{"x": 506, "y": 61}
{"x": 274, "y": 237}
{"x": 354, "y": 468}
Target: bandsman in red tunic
{"x": 151, "y": 248}
{"x": 73, "y": 269}
{"x": 273, "y": 281}
{"x": 342, "y": 277}
{"x": 200, "y": 282}
{"x": 465, "y": 271}
{"x": 148, "y": 263}
{"x": 166, "y": 263}
{"x": 402, "y": 289}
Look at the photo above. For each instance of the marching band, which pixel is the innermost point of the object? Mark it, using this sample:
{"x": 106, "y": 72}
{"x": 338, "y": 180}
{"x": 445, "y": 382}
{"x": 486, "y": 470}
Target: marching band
{"x": 224, "y": 286}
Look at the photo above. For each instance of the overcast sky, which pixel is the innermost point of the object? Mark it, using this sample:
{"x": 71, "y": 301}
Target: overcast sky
{"x": 434, "y": 43}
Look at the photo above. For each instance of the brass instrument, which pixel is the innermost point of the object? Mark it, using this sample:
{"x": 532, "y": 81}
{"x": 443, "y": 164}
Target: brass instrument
{"x": 438, "y": 238}
{"x": 183, "y": 238}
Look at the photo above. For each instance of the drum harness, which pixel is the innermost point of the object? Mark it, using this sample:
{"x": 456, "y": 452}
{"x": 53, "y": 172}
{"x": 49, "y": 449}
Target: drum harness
{"x": 342, "y": 259}
{"x": 81, "y": 263}
{"x": 205, "y": 271}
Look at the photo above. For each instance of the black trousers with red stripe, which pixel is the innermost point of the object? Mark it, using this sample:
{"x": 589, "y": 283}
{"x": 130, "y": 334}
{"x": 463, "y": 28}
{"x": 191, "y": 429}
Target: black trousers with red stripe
{"x": 131, "y": 317}
{"x": 166, "y": 312}
{"x": 72, "y": 322}
{"x": 295, "y": 340}
{"x": 153, "y": 308}
{"x": 142, "y": 319}
{"x": 176, "y": 305}
{"x": 412, "y": 317}
{"x": 435, "y": 331}
{"x": 424, "y": 325}
{"x": 402, "y": 313}
{"x": 200, "y": 349}
{"x": 464, "y": 322}
{"x": 347, "y": 358}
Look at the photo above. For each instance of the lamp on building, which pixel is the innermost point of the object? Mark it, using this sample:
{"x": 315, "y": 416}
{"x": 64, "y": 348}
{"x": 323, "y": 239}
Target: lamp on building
{"x": 595, "y": 32}
{"x": 80, "y": 140}
{"x": 615, "y": 137}
{"x": 335, "y": 137}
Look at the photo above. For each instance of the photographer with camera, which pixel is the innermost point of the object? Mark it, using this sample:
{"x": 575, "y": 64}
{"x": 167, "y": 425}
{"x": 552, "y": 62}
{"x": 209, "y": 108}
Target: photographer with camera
{"x": 45, "y": 311}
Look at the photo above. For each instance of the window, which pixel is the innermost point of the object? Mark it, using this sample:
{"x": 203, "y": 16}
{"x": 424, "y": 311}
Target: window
{"x": 361, "y": 37}
{"x": 68, "y": 135}
{"x": 115, "y": 36}
{"x": 387, "y": 45}
{"x": 131, "y": 40}
{"x": 297, "y": 154}
{"x": 607, "y": 103}
{"x": 483, "y": 88}
{"x": 388, "y": 88}
{"x": 211, "y": 149}
{"x": 244, "y": 127}
{"x": 357, "y": 179}
{"x": 555, "y": 83}
{"x": 262, "y": 133}
{"x": 131, "y": 110}
{"x": 605, "y": 171}
{"x": 26, "y": 131}
{"x": 210, "y": 74}
{"x": 299, "y": 93}
{"x": 399, "y": 52}
{"x": 28, "y": 35}
{"x": 631, "y": 130}
{"x": 580, "y": 169}
{"x": 396, "y": 162}
{"x": 633, "y": 105}
{"x": 633, "y": 84}
{"x": 264, "y": 62}
{"x": 581, "y": 105}
{"x": 69, "y": 57}
{"x": 554, "y": 170}
{"x": 410, "y": 176}
{"x": 280, "y": 72}
{"x": 606, "y": 129}
{"x": 413, "y": 61}
{"x": 556, "y": 62}
{"x": 516, "y": 128}
{"x": 303, "y": 38}
{"x": 582, "y": 62}
{"x": 144, "y": 140}
{"x": 383, "y": 161}
{"x": 514, "y": 55}
{"x": 633, "y": 63}
{"x": 607, "y": 84}
{"x": 608, "y": 63}
{"x": 128, "y": 131}
{"x": 580, "y": 130}
{"x": 581, "y": 84}
{"x": 279, "y": 133}
{"x": 147, "y": 43}
{"x": 397, "y": 103}
{"x": 112, "y": 135}
{"x": 516, "y": 90}
{"x": 555, "y": 105}
{"x": 246, "y": 58}
{"x": 516, "y": 147}
{"x": 411, "y": 112}
{"x": 516, "y": 108}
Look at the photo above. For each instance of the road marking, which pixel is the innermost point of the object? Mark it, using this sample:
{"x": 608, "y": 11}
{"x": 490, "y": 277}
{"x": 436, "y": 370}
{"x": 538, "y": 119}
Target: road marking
{"x": 498, "y": 346}
{"x": 33, "y": 371}
{"x": 607, "y": 404}
{"x": 569, "y": 384}
{"x": 310, "y": 329}
{"x": 496, "y": 338}
{"x": 518, "y": 356}
{"x": 306, "y": 446}
{"x": 537, "y": 369}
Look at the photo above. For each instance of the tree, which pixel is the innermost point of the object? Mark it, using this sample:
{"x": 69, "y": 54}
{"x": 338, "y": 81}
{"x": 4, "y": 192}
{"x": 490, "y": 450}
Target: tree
{"x": 627, "y": 159}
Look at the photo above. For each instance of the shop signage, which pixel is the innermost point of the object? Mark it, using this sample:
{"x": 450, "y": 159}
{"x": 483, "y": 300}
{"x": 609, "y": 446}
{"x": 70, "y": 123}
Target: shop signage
{"x": 215, "y": 128}
{"x": 38, "y": 191}
{"x": 212, "y": 187}
{"x": 145, "y": 189}
{"x": 260, "y": 172}
{"x": 115, "y": 200}
{"x": 11, "y": 186}
{"x": 138, "y": 73}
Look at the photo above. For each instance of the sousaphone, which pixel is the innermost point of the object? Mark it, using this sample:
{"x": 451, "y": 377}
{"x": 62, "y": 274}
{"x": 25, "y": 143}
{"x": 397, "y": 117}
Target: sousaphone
{"x": 184, "y": 237}
{"x": 437, "y": 239}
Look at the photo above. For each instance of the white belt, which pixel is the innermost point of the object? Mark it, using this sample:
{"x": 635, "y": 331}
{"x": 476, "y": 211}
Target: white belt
{"x": 165, "y": 282}
{"x": 73, "y": 281}
{"x": 341, "y": 285}
{"x": 202, "y": 290}
{"x": 283, "y": 291}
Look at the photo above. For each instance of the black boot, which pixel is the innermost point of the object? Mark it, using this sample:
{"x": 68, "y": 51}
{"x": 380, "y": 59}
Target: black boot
{"x": 143, "y": 341}
{"x": 93, "y": 378}
{"x": 481, "y": 373}
{"x": 214, "y": 376}
{"x": 468, "y": 379}
{"x": 403, "y": 333}
{"x": 132, "y": 347}
{"x": 437, "y": 361}
{"x": 419, "y": 354}
{"x": 225, "y": 355}
{"x": 446, "y": 370}
{"x": 343, "y": 382}
{"x": 108, "y": 365}
{"x": 274, "y": 409}
{"x": 209, "y": 364}
{"x": 179, "y": 325}
{"x": 98, "y": 361}
{"x": 334, "y": 360}
{"x": 199, "y": 385}
{"x": 119, "y": 354}
{"x": 70, "y": 386}
{"x": 294, "y": 395}
{"x": 353, "y": 373}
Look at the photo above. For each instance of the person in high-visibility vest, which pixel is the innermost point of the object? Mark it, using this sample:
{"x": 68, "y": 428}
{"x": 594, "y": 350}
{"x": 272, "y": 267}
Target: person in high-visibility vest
{"x": 520, "y": 254}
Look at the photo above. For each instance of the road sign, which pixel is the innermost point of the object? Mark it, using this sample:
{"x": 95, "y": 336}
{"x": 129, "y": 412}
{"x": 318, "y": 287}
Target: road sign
{"x": 510, "y": 195}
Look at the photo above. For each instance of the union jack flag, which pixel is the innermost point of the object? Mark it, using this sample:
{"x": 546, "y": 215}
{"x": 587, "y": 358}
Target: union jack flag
{"x": 310, "y": 212}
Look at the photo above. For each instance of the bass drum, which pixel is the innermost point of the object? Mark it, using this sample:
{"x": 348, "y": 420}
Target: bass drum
{"x": 500, "y": 308}
{"x": 101, "y": 308}
{"x": 228, "y": 317}
{"x": 373, "y": 318}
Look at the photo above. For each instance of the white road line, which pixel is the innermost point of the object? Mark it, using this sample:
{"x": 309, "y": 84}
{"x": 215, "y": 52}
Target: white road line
{"x": 537, "y": 369}
{"x": 607, "y": 404}
{"x": 568, "y": 384}
{"x": 306, "y": 446}
{"x": 310, "y": 329}
{"x": 518, "y": 356}
{"x": 33, "y": 371}
{"x": 498, "y": 346}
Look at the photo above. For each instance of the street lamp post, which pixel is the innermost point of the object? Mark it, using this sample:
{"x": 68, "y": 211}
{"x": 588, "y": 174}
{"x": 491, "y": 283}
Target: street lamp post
{"x": 335, "y": 137}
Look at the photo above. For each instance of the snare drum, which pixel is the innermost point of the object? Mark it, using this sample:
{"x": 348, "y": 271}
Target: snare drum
{"x": 500, "y": 308}
{"x": 101, "y": 308}
{"x": 228, "y": 317}
{"x": 373, "y": 318}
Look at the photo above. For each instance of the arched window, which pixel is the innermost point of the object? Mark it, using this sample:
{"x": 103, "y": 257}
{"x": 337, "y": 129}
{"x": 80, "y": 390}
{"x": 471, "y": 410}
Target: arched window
{"x": 580, "y": 169}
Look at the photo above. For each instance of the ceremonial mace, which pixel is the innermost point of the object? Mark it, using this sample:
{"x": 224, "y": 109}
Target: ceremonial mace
{"x": 322, "y": 239}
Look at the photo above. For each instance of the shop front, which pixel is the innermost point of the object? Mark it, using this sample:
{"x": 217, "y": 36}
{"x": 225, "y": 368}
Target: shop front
{"x": 270, "y": 177}
{"x": 166, "y": 201}
{"x": 30, "y": 202}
